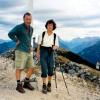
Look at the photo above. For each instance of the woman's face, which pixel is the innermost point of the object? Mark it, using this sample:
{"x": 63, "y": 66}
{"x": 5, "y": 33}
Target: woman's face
{"x": 50, "y": 27}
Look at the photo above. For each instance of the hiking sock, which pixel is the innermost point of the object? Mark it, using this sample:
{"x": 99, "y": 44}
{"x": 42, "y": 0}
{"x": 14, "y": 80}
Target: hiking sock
{"x": 49, "y": 82}
{"x": 18, "y": 81}
{"x": 27, "y": 78}
{"x": 44, "y": 83}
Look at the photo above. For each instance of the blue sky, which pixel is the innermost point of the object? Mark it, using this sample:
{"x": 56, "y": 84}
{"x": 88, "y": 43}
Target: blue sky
{"x": 74, "y": 18}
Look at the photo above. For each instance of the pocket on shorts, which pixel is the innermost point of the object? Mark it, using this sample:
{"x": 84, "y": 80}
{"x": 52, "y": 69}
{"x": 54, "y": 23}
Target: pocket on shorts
{"x": 20, "y": 59}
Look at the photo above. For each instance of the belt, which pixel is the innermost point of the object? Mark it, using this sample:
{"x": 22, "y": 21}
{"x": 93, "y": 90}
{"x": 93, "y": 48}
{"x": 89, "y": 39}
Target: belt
{"x": 46, "y": 48}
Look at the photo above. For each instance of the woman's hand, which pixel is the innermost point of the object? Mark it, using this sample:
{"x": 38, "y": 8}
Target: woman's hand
{"x": 38, "y": 55}
{"x": 55, "y": 47}
{"x": 31, "y": 49}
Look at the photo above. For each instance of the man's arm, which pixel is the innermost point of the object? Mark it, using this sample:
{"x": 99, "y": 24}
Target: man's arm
{"x": 13, "y": 34}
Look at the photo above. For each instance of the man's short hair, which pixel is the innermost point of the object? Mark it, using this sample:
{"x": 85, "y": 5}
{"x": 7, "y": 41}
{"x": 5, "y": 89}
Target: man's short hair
{"x": 51, "y": 21}
{"x": 27, "y": 13}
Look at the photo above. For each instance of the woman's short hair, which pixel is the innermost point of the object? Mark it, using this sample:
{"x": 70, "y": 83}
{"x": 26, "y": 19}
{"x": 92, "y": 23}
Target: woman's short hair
{"x": 51, "y": 21}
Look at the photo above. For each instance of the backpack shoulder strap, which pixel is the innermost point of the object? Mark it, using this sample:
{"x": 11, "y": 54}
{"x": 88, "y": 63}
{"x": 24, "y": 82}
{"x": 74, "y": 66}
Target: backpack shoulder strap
{"x": 42, "y": 37}
{"x": 54, "y": 38}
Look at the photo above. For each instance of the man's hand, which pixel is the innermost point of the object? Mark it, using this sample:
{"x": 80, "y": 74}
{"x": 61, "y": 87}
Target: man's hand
{"x": 17, "y": 43}
{"x": 55, "y": 47}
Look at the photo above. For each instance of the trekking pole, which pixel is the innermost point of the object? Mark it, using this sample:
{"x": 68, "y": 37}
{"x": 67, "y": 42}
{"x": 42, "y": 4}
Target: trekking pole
{"x": 64, "y": 79}
{"x": 54, "y": 57}
{"x": 62, "y": 74}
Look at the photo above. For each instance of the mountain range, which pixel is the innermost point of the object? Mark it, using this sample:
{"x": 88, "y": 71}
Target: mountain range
{"x": 92, "y": 53}
{"x": 6, "y": 45}
{"x": 78, "y": 44}
{"x": 88, "y": 48}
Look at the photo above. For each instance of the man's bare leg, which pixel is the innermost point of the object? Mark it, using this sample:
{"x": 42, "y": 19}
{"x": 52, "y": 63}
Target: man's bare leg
{"x": 29, "y": 72}
{"x": 18, "y": 74}
{"x": 27, "y": 84}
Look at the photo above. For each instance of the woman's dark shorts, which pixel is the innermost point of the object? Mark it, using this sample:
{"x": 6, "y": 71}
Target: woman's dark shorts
{"x": 46, "y": 61}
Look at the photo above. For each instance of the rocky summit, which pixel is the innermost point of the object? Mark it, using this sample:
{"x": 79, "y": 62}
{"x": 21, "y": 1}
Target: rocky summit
{"x": 83, "y": 82}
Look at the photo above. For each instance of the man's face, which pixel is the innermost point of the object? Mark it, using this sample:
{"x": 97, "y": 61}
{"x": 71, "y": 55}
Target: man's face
{"x": 28, "y": 20}
{"x": 50, "y": 27}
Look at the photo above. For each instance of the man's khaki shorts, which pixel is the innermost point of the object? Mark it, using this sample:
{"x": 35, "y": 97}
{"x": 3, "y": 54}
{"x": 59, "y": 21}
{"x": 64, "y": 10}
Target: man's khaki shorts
{"x": 23, "y": 60}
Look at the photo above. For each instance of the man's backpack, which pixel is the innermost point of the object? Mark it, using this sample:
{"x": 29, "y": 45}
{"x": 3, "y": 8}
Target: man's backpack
{"x": 43, "y": 34}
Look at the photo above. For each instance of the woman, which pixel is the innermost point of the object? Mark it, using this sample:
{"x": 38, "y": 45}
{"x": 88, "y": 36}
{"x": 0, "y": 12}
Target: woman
{"x": 47, "y": 43}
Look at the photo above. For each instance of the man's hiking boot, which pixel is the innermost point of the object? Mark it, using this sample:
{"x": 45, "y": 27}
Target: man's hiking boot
{"x": 28, "y": 86}
{"x": 44, "y": 89}
{"x": 49, "y": 87}
{"x": 19, "y": 88}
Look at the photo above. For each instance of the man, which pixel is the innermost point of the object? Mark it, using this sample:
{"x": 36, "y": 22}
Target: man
{"x": 47, "y": 43}
{"x": 21, "y": 34}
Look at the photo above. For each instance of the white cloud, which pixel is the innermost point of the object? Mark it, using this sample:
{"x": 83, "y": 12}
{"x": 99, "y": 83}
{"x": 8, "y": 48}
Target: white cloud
{"x": 60, "y": 9}
{"x": 68, "y": 34}
{"x": 92, "y": 22}
{"x": 71, "y": 9}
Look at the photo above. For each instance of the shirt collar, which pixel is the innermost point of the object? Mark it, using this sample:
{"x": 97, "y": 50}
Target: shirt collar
{"x": 49, "y": 35}
{"x": 26, "y": 26}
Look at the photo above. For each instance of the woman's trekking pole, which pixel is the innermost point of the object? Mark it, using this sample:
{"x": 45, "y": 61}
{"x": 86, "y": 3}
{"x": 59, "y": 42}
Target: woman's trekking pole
{"x": 64, "y": 79}
{"x": 55, "y": 54}
{"x": 54, "y": 57}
